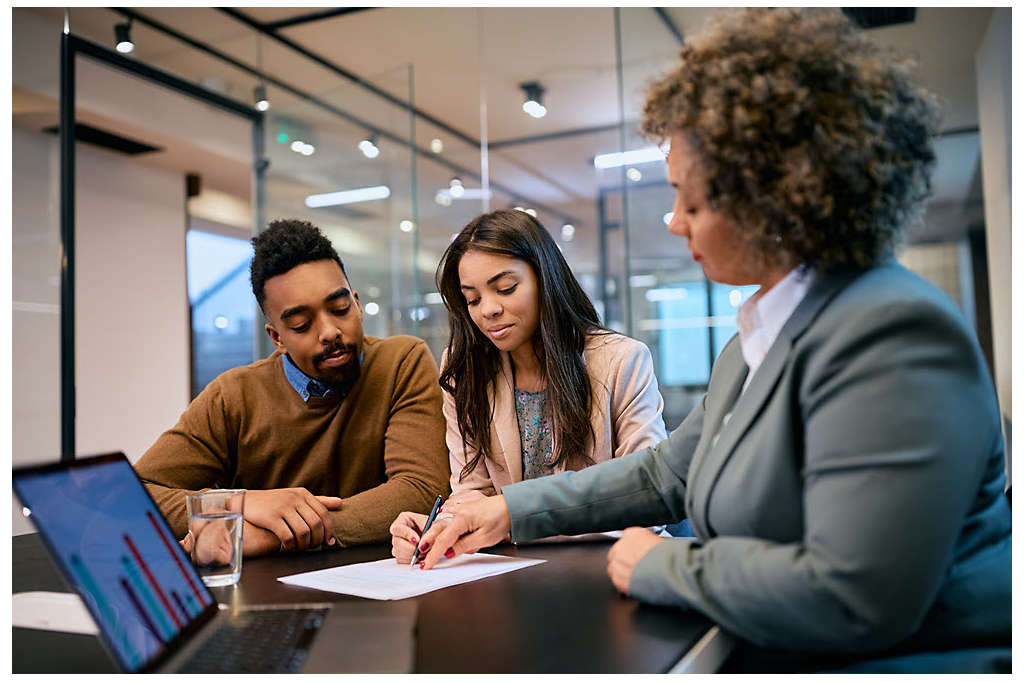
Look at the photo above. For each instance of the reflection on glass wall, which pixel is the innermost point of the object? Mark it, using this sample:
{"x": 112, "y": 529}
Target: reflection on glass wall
{"x": 456, "y": 111}
{"x": 222, "y": 306}
{"x": 343, "y": 161}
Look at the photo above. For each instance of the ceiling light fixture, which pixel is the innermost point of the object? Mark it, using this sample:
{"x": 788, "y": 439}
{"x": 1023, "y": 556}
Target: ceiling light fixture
{"x": 259, "y": 97}
{"x": 467, "y": 193}
{"x": 259, "y": 93}
{"x": 534, "y": 92}
{"x": 350, "y": 196}
{"x": 436, "y": 145}
{"x": 456, "y": 189}
{"x": 634, "y": 156}
{"x": 300, "y": 147}
{"x": 406, "y": 226}
{"x": 369, "y": 148}
{"x": 634, "y": 175}
{"x": 568, "y": 232}
{"x": 123, "y": 37}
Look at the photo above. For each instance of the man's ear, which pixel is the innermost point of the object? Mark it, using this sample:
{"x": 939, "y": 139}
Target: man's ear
{"x": 275, "y": 337}
{"x": 355, "y": 297}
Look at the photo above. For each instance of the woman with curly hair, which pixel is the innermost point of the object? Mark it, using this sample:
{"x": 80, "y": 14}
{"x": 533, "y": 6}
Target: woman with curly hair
{"x": 843, "y": 473}
{"x": 533, "y": 384}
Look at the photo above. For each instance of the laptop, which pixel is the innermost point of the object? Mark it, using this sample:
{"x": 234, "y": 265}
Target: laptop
{"x": 154, "y": 614}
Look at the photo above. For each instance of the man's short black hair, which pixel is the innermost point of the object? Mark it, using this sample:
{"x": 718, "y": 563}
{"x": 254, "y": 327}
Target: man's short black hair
{"x": 284, "y": 245}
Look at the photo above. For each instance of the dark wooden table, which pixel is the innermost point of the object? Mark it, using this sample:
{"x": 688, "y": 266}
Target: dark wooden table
{"x": 562, "y": 616}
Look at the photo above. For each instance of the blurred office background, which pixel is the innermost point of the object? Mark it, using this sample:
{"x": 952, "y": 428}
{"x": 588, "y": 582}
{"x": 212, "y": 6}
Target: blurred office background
{"x": 431, "y": 116}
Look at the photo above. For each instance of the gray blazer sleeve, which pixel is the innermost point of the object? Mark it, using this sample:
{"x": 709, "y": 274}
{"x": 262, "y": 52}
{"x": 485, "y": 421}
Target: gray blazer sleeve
{"x": 643, "y": 488}
{"x": 889, "y": 403}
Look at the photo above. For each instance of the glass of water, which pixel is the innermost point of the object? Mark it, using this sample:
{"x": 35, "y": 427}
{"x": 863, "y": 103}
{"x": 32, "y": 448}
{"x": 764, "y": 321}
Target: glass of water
{"x": 215, "y": 524}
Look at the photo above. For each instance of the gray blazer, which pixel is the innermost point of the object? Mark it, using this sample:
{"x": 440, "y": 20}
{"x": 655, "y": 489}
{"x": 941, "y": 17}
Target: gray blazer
{"x": 853, "y": 501}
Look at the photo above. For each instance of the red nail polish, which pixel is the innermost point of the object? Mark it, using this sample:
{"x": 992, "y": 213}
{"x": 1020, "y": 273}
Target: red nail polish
{"x": 449, "y": 554}
{"x": 421, "y": 566}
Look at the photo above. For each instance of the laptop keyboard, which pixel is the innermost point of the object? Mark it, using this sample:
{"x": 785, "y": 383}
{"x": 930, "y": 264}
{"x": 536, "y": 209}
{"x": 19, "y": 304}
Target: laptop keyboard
{"x": 259, "y": 641}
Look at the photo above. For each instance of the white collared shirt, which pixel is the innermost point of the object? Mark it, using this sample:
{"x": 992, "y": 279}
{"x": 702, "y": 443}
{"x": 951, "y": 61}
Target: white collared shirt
{"x": 762, "y": 316}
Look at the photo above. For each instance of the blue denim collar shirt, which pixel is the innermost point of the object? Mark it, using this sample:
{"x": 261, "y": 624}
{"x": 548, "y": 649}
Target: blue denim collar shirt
{"x": 306, "y": 386}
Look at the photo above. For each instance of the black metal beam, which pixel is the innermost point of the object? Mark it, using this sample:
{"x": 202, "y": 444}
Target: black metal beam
{"x": 547, "y": 137}
{"x": 967, "y": 130}
{"x": 355, "y": 120}
{"x": 345, "y": 73}
{"x": 112, "y": 58}
{"x": 669, "y": 24}
{"x": 312, "y": 16}
{"x": 67, "y": 247}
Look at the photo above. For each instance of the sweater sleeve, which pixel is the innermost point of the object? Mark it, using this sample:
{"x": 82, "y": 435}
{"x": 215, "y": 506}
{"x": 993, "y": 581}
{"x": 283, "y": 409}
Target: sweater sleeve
{"x": 193, "y": 455}
{"x": 636, "y": 403}
{"x": 415, "y": 459}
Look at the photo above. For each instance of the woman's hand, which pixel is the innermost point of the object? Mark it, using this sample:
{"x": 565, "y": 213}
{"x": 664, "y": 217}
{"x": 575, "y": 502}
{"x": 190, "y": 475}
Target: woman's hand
{"x": 627, "y": 552}
{"x": 405, "y": 533}
{"x": 406, "y": 530}
{"x": 461, "y": 497}
{"x": 475, "y": 525}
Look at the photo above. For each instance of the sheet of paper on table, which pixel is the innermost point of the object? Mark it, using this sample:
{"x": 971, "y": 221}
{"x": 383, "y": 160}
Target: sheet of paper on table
{"x": 387, "y": 579}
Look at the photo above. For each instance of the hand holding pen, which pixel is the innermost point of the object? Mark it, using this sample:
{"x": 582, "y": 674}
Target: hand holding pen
{"x": 426, "y": 527}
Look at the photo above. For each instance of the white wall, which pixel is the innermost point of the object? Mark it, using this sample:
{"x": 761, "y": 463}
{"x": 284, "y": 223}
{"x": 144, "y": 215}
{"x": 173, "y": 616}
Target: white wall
{"x": 35, "y": 266}
{"x": 131, "y": 346}
{"x": 131, "y": 300}
{"x": 992, "y": 62}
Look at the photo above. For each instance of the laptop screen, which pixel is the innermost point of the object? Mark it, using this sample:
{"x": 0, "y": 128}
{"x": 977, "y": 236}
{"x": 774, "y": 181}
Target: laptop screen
{"x": 114, "y": 546}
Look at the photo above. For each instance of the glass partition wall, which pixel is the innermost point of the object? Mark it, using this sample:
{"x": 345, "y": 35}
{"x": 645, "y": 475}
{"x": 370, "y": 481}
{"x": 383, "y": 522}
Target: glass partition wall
{"x": 345, "y": 161}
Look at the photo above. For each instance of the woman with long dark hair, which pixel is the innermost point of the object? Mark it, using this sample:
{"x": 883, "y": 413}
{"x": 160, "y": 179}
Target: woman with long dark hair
{"x": 533, "y": 384}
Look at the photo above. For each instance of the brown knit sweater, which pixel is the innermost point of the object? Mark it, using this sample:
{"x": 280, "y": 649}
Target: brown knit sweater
{"x": 381, "y": 448}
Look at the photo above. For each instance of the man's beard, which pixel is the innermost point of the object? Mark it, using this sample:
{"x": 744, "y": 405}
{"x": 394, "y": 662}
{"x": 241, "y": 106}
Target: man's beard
{"x": 338, "y": 377}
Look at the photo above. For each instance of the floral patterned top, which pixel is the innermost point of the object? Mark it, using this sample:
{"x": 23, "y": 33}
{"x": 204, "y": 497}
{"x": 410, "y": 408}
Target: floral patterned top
{"x": 535, "y": 434}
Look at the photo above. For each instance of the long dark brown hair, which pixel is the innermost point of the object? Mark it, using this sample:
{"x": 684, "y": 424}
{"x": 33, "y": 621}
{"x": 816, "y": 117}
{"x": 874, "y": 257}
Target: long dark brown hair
{"x": 566, "y": 317}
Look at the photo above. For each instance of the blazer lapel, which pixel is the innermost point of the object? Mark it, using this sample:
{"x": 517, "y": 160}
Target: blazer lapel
{"x": 726, "y": 381}
{"x": 505, "y": 425}
{"x": 747, "y": 408}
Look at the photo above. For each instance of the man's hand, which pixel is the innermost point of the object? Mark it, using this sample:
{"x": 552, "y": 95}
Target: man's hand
{"x": 627, "y": 552}
{"x": 256, "y": 541}
{"x": 297, "y": 518}
{"x": 475, "y": 525}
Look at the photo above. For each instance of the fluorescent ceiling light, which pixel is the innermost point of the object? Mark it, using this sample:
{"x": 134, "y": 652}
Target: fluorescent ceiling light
{"x": 350, "y": 196}
{"x": 474, "y": 193}
{"x": 634, "y": 156}
{"x": 665, "y": 294}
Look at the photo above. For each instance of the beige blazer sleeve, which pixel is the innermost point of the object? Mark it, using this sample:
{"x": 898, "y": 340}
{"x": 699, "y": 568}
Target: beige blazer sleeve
{"x": 627, "y": 413}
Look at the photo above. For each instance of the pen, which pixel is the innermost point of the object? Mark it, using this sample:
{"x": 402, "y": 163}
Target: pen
{"x": 430, "y": 521}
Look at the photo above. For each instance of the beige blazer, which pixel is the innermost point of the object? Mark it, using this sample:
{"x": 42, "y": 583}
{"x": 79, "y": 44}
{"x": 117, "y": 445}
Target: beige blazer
{"x": 626, "y": 413}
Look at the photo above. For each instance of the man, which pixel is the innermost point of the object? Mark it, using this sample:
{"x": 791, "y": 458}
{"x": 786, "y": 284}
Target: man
{"x": 332, "y": 435}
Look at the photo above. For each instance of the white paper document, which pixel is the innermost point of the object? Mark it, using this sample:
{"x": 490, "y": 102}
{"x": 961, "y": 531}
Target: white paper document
{"x": 387, "y": 579}
{"x": 60, "y": 611}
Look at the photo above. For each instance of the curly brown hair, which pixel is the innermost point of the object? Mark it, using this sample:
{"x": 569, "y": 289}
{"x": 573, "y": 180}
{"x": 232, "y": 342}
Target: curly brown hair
{"x": 814, "y": 140}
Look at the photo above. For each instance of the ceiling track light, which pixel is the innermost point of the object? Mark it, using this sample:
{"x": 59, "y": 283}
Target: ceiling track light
{"x": 259, "y": 93}
{"x": 368, "y": 146}
{"x": 534, "y": 92}
{"x": 123, "y": 37}
{"x": 456, "y": 188}
{"x": 259, "y": 97}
